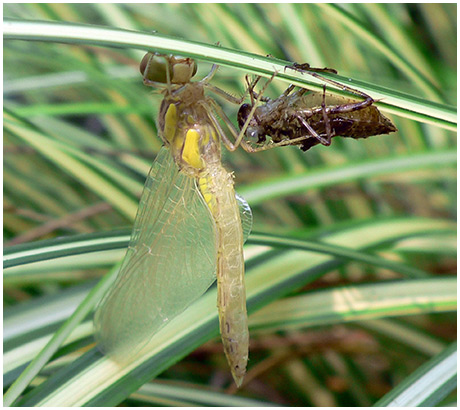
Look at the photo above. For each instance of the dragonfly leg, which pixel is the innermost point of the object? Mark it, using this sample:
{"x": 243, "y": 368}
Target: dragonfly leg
{"x": 224, "y": 94}
{"x": 239, "y": 140}
{"x": 211, "y": 106}
{"x": 326, "y": 117}
{"x": 229, "y": 144}
{"x": 249, "y": 90}
{"x": 232, "y": 146}
{"x": 219, "y": 91}
{"x": 251, "y": 86}
{"x": 313, "y": 133}
{"x": 339, "y": 108}
{"x": 252, "y": 93}
{"x": 307, "y": 67}
{"x": 251, "y": 149}
{"x": 211, "y": 73}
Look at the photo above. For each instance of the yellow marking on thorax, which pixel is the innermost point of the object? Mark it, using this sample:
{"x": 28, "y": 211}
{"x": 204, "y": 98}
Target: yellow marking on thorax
{"x": 190, "y": 147}
{"x": 170, "y": 126}
{"x": 191, "y": 151}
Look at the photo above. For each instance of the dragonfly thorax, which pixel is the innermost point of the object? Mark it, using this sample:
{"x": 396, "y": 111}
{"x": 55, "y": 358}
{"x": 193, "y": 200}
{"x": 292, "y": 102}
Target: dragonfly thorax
{"x": 188, "y": 131}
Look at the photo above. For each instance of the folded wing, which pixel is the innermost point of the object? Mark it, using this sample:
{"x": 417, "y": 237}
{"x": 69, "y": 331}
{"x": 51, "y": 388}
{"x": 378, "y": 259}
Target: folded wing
{"x": 170, "y": 262}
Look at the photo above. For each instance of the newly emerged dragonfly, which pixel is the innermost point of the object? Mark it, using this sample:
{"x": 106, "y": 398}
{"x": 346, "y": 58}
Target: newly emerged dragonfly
{"x": 190, "y": 226}
{"x": 307, "y": 118}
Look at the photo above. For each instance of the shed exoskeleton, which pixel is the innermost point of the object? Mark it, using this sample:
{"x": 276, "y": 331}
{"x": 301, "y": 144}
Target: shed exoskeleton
{"x": 307, "y": 118}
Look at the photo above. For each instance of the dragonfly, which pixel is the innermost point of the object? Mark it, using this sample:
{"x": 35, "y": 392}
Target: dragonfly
{"x": 190, "y": 225}
{"x": 307, "y": 118}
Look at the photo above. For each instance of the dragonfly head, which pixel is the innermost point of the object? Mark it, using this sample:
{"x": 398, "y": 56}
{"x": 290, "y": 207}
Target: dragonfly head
{"x": 160, "y": 68}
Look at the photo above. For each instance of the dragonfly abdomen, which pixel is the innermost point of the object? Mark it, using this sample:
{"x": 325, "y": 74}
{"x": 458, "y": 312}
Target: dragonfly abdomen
{"x": 217, "y": 189}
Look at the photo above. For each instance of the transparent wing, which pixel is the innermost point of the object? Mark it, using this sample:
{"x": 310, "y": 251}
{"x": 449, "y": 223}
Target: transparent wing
{"x": 170, "y": 262}
{"x": 245, "y": 215}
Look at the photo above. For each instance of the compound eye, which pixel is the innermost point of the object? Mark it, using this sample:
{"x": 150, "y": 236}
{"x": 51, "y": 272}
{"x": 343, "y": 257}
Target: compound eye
{"x": 183, "y": 69}
{"x": 144, "y": 62}
{"x": 154, "y": 67}
{"x": 195, "y": 68}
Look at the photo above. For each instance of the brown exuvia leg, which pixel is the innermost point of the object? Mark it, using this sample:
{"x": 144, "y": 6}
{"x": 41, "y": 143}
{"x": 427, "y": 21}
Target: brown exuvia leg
{"x": 343, "y": 108}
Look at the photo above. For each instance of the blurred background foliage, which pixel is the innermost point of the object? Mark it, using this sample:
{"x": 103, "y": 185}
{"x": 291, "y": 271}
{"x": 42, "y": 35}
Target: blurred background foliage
{"x": 91, "y": 102}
